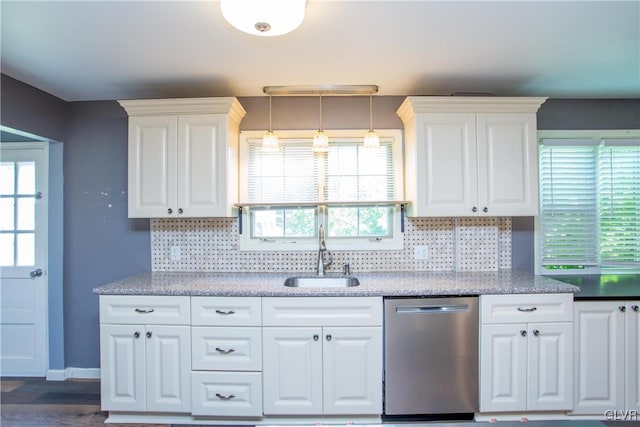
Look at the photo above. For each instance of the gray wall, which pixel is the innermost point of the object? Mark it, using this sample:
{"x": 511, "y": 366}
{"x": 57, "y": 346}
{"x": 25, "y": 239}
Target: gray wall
{"x": 102, "y": 245}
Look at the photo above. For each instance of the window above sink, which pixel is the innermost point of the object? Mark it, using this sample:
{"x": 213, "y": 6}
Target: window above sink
{"x": 355, "y": 192}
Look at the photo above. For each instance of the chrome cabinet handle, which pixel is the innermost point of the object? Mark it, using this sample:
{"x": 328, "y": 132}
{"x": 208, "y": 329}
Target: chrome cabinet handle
{"x": 527, "y": 310}
{"x": 223, "y": 397}
{"x": 622, "y": 308}
{"x": 474, "y": 209}
{"x": 148, "y": 334}
{"x": 136, "y": 334}
{"x": 219, "y": 350}
{"x": 144, "y": 310}
{"x": 635, "y": 308}
{"x": 316, "y": 337}
{"x": 536, "y": 332}
{"x": 329, "y": 337}
{"x": 169, "y": 211}
{"x": 485, "y": 209}
{"x": 523, "y": 333}
{"x": 225, "y": 313}
{"x": 36, "y": 273}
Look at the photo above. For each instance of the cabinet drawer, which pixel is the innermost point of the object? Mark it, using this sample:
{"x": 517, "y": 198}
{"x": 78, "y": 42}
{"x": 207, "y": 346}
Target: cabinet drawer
{"x": 138, "y": 309}
{"x": 226, "y": 394}
{"x": 226, "y": 311}
{"x": 322, "y": 311}
{"x": 523, "y": 308}
{"x": 226, "y": 349}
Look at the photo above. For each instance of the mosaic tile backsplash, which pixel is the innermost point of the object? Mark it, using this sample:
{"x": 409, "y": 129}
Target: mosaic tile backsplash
{"x": 455, "y": 244}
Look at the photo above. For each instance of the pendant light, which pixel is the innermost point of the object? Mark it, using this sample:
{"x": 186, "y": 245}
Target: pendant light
{"x": 270, "y": 139}
{"x": 320, "y": 139}
{"x": 371, "y": 139}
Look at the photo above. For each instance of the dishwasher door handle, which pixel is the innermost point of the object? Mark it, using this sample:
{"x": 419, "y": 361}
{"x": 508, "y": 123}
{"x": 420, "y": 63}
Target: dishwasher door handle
{"x": 433, "y": 309}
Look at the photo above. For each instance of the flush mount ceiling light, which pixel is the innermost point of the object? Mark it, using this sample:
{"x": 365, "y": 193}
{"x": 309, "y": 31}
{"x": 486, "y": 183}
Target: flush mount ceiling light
{"x": 264, "y": 17}
{"x": 371, "y": 138}
{"x": 270, "y": 139}
{"x": 320, "y": 139}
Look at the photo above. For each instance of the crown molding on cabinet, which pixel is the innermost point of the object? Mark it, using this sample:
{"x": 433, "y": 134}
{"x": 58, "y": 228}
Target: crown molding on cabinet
{"x": 472, "y": 104}
{"x": 211, "y": 105}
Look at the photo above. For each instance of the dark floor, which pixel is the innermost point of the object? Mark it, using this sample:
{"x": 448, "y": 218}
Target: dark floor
{"x": 35, "y": 402}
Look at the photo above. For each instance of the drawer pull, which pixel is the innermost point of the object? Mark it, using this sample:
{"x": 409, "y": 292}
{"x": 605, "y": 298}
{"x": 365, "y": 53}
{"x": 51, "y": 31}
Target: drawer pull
{"x": 219, "y": 350}
{"x": 144, "y": 310}
{"x": 527, "y": 310}
{"x": 225, "y": 313}
{"x": 229, "y": 397}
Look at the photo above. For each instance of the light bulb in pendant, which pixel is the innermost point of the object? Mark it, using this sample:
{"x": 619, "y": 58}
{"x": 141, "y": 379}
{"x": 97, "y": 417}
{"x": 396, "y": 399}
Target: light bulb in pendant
{"x": 320, "y": 142}
{"x": 270, "y": 142}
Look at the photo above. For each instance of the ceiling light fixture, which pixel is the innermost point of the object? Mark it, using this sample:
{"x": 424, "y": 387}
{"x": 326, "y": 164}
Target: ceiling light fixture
{"x": 270, "y": 139}
{"x": 320, "y": 139}
{"x": 264, "y": 17}
{"x": 371, "y": 138}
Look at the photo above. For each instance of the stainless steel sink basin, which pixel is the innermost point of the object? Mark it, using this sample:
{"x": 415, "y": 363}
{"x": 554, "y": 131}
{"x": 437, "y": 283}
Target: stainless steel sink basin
{"x": 321, "y": 282}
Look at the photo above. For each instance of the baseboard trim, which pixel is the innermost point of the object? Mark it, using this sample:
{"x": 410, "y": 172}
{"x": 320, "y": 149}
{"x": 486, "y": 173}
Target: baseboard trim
{"x": 65, "y": 374}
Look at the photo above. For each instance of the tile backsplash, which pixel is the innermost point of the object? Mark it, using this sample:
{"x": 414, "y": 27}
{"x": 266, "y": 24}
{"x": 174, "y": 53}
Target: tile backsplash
{"x": 454, "y": 244}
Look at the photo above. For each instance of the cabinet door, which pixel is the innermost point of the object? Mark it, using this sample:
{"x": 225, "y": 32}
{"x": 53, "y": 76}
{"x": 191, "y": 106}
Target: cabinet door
{"x": 446, "y": 165}
{"x": 202, "y": 163}
{"x": 633, "y": 355}
{"x": 352, "y": 370}
{"x": 503, "y": 368}
{"x": 122, "y": 362}
{"x": 168, "y": 359}
{"x": 507, "y": 164}
{"x": 599, "y": 357}
{"x": 152, "y": 166}
{"x": 550, "y": 370}
{"x": 292, "y": 371}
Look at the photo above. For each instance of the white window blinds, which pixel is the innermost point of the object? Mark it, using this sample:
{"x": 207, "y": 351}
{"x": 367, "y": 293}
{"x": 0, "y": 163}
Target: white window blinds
{"x": 568, "y": 203}
{"x": 287, "y": 175}
{"x": 590, "y": 202}
{"x": 347, "y": 173}
{"x": 619, "y": 186}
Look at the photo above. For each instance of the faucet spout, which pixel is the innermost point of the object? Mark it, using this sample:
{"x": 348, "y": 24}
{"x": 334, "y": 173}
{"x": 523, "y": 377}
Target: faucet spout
{"x": 324, "y": 256}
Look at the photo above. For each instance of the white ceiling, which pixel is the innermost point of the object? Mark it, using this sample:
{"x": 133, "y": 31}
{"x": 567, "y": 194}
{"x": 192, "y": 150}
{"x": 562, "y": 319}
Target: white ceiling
{"x": 97, "y": 50}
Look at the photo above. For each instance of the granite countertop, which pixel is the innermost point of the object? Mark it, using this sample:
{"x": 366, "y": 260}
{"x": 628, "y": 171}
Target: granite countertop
{"x": 389, "y": 284}
{"x": 605, "y": 286}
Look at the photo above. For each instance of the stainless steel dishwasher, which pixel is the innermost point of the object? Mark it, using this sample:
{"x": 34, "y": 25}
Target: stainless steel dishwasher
{"x": 431, "y": 356}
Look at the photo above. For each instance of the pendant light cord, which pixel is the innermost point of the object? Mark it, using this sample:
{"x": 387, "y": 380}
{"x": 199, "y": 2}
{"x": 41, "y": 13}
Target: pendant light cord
{"x": 270, "y": 113}
{"x": 320, "y": 128}
{"x": 370, "y": 112}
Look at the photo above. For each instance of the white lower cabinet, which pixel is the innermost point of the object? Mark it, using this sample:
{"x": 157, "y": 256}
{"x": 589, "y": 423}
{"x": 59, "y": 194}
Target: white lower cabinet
{"x": 607, "y": 359}
{"x": 145, "y": 368}
{"x": 226, "y": 353}
{"x": 324, "y": 366}
{"x": 526, "y": 353}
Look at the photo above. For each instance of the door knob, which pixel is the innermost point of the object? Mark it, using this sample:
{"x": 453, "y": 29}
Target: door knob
{"x": 36, "y": 273}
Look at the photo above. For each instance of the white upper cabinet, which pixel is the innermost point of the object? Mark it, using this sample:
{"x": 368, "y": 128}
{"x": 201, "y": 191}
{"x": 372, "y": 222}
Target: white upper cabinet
{"x": 183, "y": 157}
{"x": 471, "y": 156}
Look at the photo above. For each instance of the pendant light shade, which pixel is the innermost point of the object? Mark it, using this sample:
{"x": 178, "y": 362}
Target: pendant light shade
{"x": 320, "y": 139}
{"x": 264, "y": 17}
{"x": 371, "y": 138}
{"x": 270, "y": 139}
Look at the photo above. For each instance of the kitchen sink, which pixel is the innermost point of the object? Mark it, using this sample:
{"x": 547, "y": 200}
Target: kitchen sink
{"x": 321, "y": 282}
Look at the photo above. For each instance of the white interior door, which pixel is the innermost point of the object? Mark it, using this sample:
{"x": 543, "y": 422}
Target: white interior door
{"x": 23, "y": 279}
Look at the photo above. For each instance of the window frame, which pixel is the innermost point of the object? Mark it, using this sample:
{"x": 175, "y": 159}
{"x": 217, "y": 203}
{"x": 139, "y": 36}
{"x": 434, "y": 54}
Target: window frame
{"x": 395, "y": 242}
{"x": 587, "y": 270}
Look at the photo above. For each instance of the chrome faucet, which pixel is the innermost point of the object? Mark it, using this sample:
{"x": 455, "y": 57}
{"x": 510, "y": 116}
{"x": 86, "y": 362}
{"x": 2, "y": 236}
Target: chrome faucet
{"x": 323, "y": 253}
